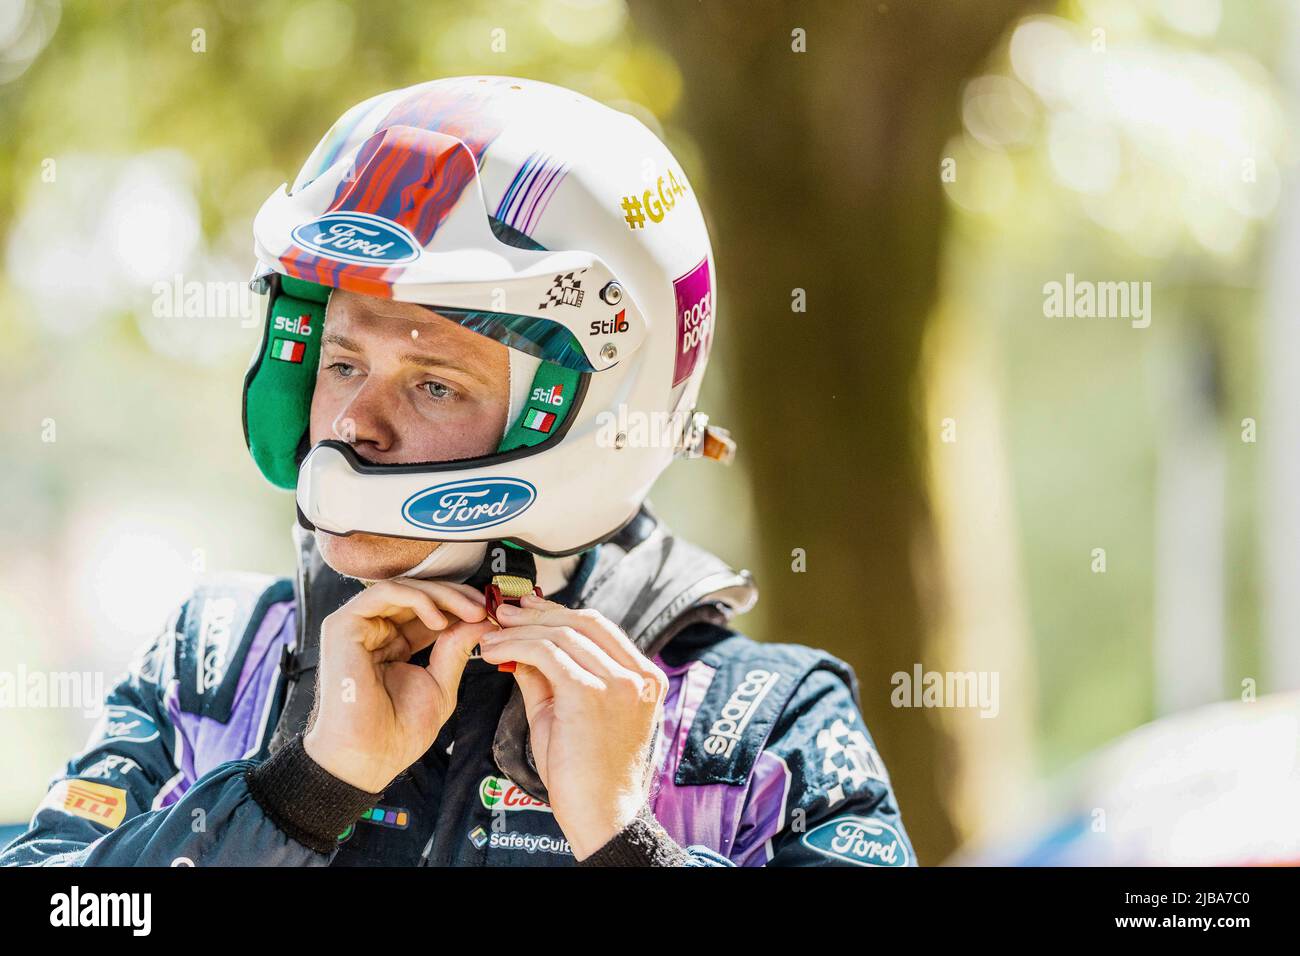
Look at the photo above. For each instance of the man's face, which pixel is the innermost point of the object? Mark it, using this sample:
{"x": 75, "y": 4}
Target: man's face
{"x": 401, "y": 384}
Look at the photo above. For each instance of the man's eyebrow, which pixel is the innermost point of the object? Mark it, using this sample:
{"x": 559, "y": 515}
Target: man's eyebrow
{"x": 407, "y": 358}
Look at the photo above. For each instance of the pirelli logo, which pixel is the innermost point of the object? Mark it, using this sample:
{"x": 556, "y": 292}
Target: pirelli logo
{"x": 739, "y": 710}
{"x": 92, "y": 801}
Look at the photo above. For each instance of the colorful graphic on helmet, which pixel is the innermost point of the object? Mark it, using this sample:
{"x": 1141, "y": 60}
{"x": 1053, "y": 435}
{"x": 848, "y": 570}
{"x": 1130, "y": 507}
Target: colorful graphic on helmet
{"x": 404, "y": 179}
{"x": 529, "y": 192}
{"x": 406, "y": 174}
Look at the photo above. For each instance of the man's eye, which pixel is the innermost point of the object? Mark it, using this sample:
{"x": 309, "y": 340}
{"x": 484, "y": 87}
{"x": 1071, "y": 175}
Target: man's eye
{"x": 341, "y": 369}
{"x": 438, "y": 390}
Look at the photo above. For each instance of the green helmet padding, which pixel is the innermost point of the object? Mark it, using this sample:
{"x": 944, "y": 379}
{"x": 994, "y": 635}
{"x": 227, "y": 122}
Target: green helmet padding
{"x": 279, "y": 385}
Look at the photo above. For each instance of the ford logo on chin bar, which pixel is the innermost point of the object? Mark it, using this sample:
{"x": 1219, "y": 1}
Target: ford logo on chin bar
{"x": 469, "y": 505}
{"x": 358, "y": 237}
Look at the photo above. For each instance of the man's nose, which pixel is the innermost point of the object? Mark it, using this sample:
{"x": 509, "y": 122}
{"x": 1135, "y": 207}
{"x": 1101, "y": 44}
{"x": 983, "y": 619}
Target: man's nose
{"x": 364, "y": 421}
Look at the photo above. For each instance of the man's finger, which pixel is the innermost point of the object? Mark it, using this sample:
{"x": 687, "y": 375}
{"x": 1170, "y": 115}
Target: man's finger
{"x": 396, "y": 601}
{"x": 556, "y": 666}
{"x": 585, "y": 652}
{"x": 451, "y": 652}
{"x": 587, "y": 621}
{"x": 460, "y": 599}
{"x": 536, "y": 690}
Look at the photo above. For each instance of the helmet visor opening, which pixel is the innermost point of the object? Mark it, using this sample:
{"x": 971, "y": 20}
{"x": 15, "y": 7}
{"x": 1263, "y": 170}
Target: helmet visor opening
{"x": 541, "y": 338}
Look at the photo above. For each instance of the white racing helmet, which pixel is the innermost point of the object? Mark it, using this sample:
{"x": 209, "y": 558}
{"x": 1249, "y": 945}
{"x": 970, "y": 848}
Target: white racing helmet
{"x": 532, "y": 215}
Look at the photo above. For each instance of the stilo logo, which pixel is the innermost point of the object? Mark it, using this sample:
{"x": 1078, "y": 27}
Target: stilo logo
{"x": 297, "y": 326}
{"x": 358, "y": 237}
{"x": 615, "y": 325}
{"x": 469, "y": 505}
{"x": 549, "y": 396}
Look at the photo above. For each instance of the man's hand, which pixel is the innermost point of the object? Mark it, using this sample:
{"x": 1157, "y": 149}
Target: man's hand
{"x": 593, "y": 703}
{"x": 375, "y": 713}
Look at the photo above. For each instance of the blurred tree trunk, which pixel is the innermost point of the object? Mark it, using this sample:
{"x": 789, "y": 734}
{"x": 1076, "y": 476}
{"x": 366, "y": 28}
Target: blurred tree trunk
{"x": 822, "y": 173}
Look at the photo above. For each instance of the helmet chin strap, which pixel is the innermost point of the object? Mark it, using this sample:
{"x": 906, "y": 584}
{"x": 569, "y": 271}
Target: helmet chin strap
{"x": 449, "y": 561}
{"x": 458, "y": 560}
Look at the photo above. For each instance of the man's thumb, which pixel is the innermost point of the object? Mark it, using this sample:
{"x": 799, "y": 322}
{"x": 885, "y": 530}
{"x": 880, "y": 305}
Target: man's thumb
{"x": 451, "y": 652}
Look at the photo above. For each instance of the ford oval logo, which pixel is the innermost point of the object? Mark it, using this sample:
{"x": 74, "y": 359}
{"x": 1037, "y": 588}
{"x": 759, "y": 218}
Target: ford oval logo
{"x": 859, "y": 840}
{"x": 127, "y": 725}
{"x": 469, "y": 505}
{"x": 358, "y": 237}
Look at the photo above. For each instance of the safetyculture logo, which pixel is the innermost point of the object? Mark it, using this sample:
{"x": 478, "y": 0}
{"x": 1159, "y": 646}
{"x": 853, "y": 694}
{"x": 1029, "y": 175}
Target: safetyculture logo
{"x": 859, "y": 841}
{"x": 694, "y": 294}
{"x": 469, "y": 504}
{"x": 500, "y": 793}
{"x": 358, "y": 237}
{"x": 530, "y": 843}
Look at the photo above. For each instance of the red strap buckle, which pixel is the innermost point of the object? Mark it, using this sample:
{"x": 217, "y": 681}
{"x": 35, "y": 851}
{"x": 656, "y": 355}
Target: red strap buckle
{"x": 496, "y": 596}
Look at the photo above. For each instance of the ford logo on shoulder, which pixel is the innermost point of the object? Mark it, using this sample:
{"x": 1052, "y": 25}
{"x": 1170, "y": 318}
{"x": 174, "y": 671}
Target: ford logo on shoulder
{"x": 358, "y": 237}
{"x": 858, "y": 840}
{"x": 128, "y": 725}
{"x": 469, "y": 505}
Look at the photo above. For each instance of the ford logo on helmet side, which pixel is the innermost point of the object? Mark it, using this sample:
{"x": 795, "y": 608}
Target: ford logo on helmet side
{"x": 358, "y": 237}
{"x": 469, "y": 505}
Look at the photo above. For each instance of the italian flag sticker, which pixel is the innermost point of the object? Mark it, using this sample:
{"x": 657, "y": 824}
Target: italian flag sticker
{"x": 287, "y": 350}
{"x": 539, "y": 421}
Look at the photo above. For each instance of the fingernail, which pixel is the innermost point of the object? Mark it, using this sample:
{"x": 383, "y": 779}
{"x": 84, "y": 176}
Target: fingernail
{"x": 507, "y": 610}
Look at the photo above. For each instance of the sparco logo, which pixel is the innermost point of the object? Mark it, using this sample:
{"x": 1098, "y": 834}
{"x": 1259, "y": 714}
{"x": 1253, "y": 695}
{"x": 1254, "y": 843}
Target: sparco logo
{"x": 214, "y": 637}
{"x": 469, "y": 505}
{"x": 729, "y": 727}
{"x": 358, "y": 237}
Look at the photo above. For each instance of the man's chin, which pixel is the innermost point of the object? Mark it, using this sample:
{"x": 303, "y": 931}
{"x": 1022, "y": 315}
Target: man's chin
{"x": 371, "y": 557}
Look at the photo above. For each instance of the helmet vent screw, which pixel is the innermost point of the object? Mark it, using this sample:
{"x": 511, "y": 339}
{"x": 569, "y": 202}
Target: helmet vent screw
{"x": 609, "y": 351}
{"x": 612, "y": 293}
